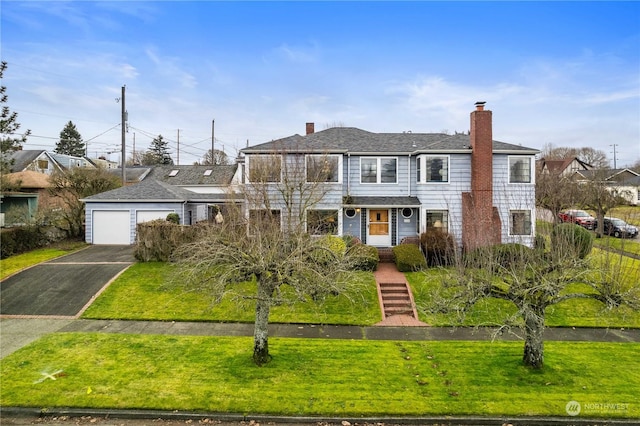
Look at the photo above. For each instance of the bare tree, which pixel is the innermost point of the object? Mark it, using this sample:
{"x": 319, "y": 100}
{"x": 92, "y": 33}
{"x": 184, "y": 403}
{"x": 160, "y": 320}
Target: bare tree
{"x": 217, "y": 157}
{"x": 555, "y": 192}
{"x": 597, "y": 195}
{"x": 535, "y": 279}
{"x": 266, "y": 241}
{"x": 594, "y": 157}
{"x": 69, "y": 187}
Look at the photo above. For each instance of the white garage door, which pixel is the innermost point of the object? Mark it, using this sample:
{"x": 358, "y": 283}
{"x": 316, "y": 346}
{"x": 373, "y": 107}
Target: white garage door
{"x": 149, "y": 215}
{"x": 111, "y": 227}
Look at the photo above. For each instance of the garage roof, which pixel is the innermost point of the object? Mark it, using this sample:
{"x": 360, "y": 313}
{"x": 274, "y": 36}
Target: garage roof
{"x": 151, "y": 190}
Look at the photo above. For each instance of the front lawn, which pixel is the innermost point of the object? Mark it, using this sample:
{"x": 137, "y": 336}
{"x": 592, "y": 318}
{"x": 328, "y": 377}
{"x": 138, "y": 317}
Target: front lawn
{"x": 321, "y": 377}
{"x": 141, "y": 293}
{"x": 570, "y": 313}
{"x": 18, "y": 262}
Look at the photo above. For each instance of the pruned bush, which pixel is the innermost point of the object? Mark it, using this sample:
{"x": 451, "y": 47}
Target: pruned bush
{"x": 572, "y": 240}
{"x": 351, "y": 240}
{"x": 363, "y": 257}
{"x": 24, "y": 238}
{"x": 330, "y": 247}
{"x": 156, "y": 240}
{"x": 173, "y": 218}
{"x": 409, "y": 258}
{"x": 438, "y": 246}
{"x": 508, "y": 256}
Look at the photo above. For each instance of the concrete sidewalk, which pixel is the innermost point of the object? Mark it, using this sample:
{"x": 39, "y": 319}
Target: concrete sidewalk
{"x": 16, "y": 333}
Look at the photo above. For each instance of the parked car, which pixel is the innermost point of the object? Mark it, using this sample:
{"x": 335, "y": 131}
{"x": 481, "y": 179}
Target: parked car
{"x": 579, "y": 217}
{"x": 619, "y": 228}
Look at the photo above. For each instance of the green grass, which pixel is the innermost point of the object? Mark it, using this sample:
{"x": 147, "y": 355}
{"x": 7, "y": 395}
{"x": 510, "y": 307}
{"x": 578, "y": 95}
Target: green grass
{"x": 141, "y": 293}
{"x": 571, "y": 313}
{"x": 623, "y": 244}
{"x": 320, "y": 377}
{"x": 13, "y": 264}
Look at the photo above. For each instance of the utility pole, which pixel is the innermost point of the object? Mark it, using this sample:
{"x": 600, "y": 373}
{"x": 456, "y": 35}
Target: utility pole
{"x": 178, "y": 159}
{"x": 213, "y": 122}
{"x": 133, "y": 158}
{"x": 124, "y": 142}
{"x": 615, "y": 165}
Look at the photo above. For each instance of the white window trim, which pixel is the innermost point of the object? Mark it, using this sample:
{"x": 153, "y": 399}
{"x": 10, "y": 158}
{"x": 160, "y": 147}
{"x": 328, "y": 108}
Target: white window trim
{"x": 445, "y": 216}
{"x": 340, "y": 157}
{"x": 248, "y": 167}
{"x": 531, "y": 224}
{"x": 378, "y": 170}
{"x": 423, "y": 169}
{"x": 532, "y": 174}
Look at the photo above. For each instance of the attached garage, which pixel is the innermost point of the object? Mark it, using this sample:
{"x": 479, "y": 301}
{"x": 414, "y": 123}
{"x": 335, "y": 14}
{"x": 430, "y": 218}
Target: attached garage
{"x": 111, "y": 227}
{"x": 149, "y": 215}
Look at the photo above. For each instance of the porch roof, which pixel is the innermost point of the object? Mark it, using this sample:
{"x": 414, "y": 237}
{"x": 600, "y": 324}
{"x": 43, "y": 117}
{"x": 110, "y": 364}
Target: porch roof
{"x": 361, "y": 201}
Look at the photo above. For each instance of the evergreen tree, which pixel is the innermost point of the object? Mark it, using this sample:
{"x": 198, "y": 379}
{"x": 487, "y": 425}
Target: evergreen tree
{"x": 9, "y": 125}
{"x": 70, "y": 142}
{"x": 158, "y": 153}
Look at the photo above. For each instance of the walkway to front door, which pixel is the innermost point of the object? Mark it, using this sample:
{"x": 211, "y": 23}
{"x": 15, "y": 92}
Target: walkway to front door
{"x": 396, "y": 301}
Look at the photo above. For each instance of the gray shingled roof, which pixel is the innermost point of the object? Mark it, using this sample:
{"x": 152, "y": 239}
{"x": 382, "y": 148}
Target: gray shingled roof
{"x": 151, "y": 190}
{"x": 357, "y": 141}
{"x": 220, "y": 175}
{"x": 147, "y": 190}
{"x": 23, "y": 158}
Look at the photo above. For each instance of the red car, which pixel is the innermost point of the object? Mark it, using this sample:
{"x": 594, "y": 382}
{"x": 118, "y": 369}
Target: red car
{"x": 579, "y": 217}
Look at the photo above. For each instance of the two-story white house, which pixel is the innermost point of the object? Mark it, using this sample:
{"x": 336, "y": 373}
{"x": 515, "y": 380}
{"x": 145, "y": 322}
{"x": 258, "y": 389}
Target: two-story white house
{"x": 382, "y": 187}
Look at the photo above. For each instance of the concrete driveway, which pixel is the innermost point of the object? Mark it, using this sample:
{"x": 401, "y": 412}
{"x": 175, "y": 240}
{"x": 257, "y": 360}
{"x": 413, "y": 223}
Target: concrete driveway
{"x": 63, "y": 287}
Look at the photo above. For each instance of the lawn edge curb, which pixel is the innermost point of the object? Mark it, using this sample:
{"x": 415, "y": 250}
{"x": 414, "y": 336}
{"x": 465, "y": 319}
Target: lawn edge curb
{"x": 266, "y": 418}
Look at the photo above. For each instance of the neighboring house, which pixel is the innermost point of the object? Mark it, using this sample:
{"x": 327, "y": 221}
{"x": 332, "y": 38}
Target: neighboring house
{"x": 34, "y": 160}
{"x": 631, "y": 188}
{"x": 382, "y": 187}
{"x": 563, "y": 168}
{"x": 623, "y": 182}
{"x": 103, "y": 163}
{"x": 69, "y": 161}
{"x": 112, "y": 216}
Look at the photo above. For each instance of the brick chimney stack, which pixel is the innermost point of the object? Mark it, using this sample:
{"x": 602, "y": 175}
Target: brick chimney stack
{"x": 310, "y": 128}
{"x": 481, "y": 221}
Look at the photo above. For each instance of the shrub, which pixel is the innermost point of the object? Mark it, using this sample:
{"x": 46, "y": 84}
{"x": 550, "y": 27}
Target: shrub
{"x": 409, "y": 258}
{"x": 157, "y": 240}
{"x": 351, "y": 240}
{"x": 173, "y": 218}
{"x": 334, "y": 244}
{"x": 500, "y": 255}
{"x": 572, "y": 240}
{"x": 364, "y": 257}
{"x": 24, "y": 238}
{"x": 438, "y": 246}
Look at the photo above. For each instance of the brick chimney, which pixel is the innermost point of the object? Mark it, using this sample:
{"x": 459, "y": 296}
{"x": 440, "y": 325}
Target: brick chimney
{"x": 310, "y": 128}
{"x": 481, "y": 225}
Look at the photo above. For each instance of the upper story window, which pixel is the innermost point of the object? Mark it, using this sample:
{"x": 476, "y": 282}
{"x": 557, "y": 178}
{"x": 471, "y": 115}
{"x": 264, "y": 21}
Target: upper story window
{"x": 432, "y": 168}
{"x": 323, "y": 168}
{"x": 265, "y": 168}
{"x": 43, "y": 164}
{"x": 520, "y": 170}
{"x": 378, "y": 170}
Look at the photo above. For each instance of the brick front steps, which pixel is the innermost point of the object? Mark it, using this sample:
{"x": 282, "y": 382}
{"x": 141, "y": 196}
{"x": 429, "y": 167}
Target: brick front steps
{"x": 396, "y": 300}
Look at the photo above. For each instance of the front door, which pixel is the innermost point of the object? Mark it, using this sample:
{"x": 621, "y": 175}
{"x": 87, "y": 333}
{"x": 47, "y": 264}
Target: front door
{"x": 379, "y": 234}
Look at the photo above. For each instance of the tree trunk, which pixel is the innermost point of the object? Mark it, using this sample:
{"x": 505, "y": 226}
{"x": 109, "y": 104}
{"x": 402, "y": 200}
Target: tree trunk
{"x": 534, "y": 342}
{"x": 261, "y": 330}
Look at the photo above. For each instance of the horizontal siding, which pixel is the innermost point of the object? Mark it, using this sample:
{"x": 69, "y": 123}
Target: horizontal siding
{"x": 132, "y": 208}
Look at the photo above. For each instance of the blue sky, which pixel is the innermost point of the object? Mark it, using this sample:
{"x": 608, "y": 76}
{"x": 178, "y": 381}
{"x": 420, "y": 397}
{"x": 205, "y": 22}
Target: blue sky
{"x": 561, "y": 73}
